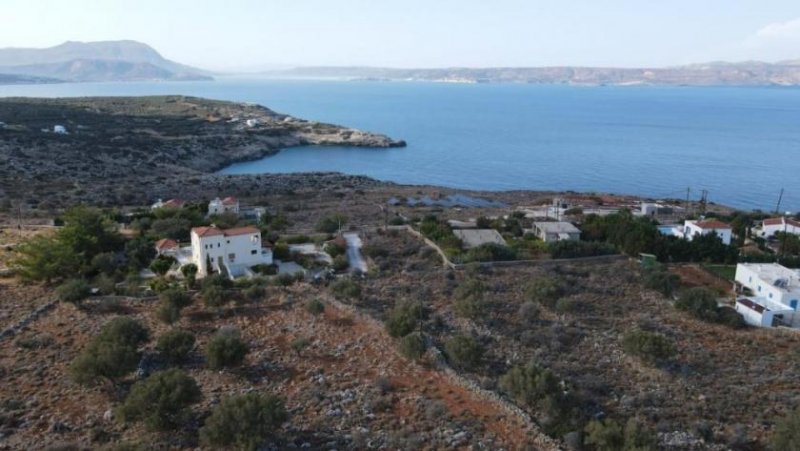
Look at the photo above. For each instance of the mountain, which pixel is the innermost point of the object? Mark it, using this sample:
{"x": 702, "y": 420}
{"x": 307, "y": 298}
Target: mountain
{"x": 749, "y": 73}
{"x": 96, "y": 61}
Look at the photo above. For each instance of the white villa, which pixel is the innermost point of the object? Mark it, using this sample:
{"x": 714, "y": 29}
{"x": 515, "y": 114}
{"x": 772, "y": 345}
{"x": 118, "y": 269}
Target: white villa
{"x": 770, "y": 294}
{"x": 772, "y": 226}
{"x": 556, "y": 231}
{"x": 219, "y": 206}
{"x": 231, "y": 251}
{"x": 692, "y": 229}
{"x": 171, "y": 203}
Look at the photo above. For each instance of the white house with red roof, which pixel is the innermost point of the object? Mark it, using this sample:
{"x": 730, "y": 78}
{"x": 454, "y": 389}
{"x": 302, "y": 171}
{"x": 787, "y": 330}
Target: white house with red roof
{"x": 692, "y": 229}
{"x": 770, "y": 294}
{"x": 219, "y": 206}
{"x": 232, "y": 251}
{"x": 171, "y": 203}
{"x": 771, "y": 226}
{"x": 166, "y": 246}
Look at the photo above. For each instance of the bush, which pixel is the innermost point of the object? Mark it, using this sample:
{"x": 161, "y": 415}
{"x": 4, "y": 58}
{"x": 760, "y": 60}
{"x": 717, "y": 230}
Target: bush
{"x": 346, "y": 289}
{"x": 287, "y": 280}
{"x": 662, "y": 281}
{"x": 604, "y": 435}
{"x": 161, "y": 265}
{"x": 786, "y": 435}
{"x": 299, "y": 343}
{"x": 225, "y": 350}
{"x": 470, "y": 307}
{"x": 173, "y": 300}
{"x": 529, "y": 384}
{"x": 340, "y": 263}
{"x": 168, "y": 313}
{"x": 608, "y": 435}
{"x": 331, "y": 224}
{"x": 648, "y": 346}
{"x": 315, "y": 307}
{"x": 213, "y": 296}
{"x": 544, "y": 291}
{"x": 463, "y": 351}
{"x": 161, "y": 401}
{"x": 73, "y": 291}
{"x": 189, "y": 271}
{"x": 334, "y": 250}
{"x": 175, "y": 345}
{"x": 244, "y": 422}
{"x": 579, "y": 249}
{"x": 528, "y": 312}
{"x": 254, "y": 293}
{"x": 403, "y": 318}
{"x": 730, "y": 317}
{"x": 490, "y": 252}
{"x": 700, "y": 302}
{"x": 112, "y": 353}
{"x": 566, "y": 305}
{"x": 413, "y": 346}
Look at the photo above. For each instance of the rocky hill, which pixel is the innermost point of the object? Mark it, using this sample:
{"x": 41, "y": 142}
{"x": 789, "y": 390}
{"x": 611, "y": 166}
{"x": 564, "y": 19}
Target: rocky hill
{"x": 96, "y": 61}
{"x": 124, "y": 150}
{"x": 733, "y": 74}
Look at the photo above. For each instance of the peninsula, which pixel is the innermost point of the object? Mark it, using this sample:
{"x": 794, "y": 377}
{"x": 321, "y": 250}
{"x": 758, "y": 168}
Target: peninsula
{"x": 131, "y": 149}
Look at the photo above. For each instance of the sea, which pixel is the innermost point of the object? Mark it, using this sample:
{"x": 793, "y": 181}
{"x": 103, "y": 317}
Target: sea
{"x": 740, "y": 145}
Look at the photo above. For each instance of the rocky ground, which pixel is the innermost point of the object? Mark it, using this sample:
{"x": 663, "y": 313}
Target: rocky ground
{"x": 130, "y": 150}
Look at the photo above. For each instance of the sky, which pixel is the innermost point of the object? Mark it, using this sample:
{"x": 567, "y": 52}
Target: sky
{"x": 260, "y": 34}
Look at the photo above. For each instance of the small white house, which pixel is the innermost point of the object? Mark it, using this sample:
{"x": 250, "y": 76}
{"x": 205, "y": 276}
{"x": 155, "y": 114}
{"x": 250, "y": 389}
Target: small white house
{"x": 692, "y": 229}
{"x": 171, "y": 203}
{"x": 771, "y": 226}
{"x": 655, "y": 209}
{"x": 556, "y": 231}
{"x": 251, "y": 122}
{"x": 233, "y": 250}
{"x": 761, "y": 315}
{"x": 772, "y": 288}
{"x": 219, "y": 206}
{"x": 478, "y": 237}
{"x": 60, "y": 130}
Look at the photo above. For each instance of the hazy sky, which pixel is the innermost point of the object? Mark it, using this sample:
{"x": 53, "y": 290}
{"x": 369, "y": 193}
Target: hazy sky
{"x": 419, "y": 33}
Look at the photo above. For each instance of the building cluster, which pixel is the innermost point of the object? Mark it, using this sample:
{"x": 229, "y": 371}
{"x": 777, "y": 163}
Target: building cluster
{"x": 768, "y": 295}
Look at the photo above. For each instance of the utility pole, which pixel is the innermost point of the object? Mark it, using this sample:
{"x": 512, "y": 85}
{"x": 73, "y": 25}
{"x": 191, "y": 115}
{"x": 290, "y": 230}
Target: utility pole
{"x": 703, "y": 202}
{"x": 778, "y": 207}
{"x": 688, "y": 207}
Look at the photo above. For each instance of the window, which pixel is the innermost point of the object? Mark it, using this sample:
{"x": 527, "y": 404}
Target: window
{"x": 231, "y": 257}
{"x": 759, "y": 288}
{"x": 228, "y": 242}
{"x": 219, "y": 244}
{"x": 253, "y": 252}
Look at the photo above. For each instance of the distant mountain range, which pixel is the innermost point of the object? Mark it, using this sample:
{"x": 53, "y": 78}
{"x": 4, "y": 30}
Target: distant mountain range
{"x": 750, "y": 73}
{"x": 92, "y": 61}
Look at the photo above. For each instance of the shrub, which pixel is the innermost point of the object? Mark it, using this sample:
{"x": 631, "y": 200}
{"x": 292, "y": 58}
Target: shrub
{"x": 463, "y": 351}
{"x": 281, "y": 251}
{"x": 161, "y": 265}
{"x": 786, "y": 435}
{"x": 566, "y": 305}
{"x": 730, "y": 317}
{"x": 244, "y": 421}
{"x": 331, "y": 224}
{"x": 105, "y": 284}
{"x": 299, "y": 343}
{"x": 217, "y": 280}
{"x": 346, "y": 289}
{"x": 649, "y": 346}
{"x": 315, "y": 307}
{"x": 604, "y": 435}
{"x": 175, "y": 296}
{"x": 189, "y": 271}
{"x": 489, "y": 253}
{"x": 578, "y": 249}
{"x": 254, "y": 293}
{"x": 161, "y": 401}
{"x": 225, "y": 350}
{"x": 544, "y": 291}
{"x": 73, "y": 291}
{"x": 112, "y": 353}
{"x": 413, "y": 346}
{"x": 662, "y": 281}
{"x": 340, "y": 263}
{"x": 286, "y": 280}
{"x": 213, "y": 296}
{"x": 700, "y": 302}
{"x": 470, "y": 307}
{"x": 529, "y": 384}
{"x": 471, "y": 288}
{"x": 168, "y": 313}
{"x": 403, "y": 318}
{"x": 175, "y": 345}
{"x": 528, "y": 312}
{"x": 334, "y": 250}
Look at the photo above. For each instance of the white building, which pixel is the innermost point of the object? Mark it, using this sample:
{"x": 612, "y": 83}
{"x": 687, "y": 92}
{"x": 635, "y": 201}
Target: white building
{"x": 60, "y": 130}
{"x": 771, "y": 226}
{"x": 692, "y": 229}
{"x": 653, "y": 209}
{"x": 171, "y": 203}
{"x": 478, "y": 237}
{"x": 251, "y": 122}
{"x": 556, "y": 231}
{"x": 772, "y": 294}
{"x": 219, "y": 206}
{"x": 233, "y": 250}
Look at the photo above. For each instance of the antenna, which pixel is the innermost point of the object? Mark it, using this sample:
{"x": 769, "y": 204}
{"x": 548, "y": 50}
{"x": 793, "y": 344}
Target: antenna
{"x": 778, "y": 207}
{"x": 703, "y": 201}
{"x": 688, "y": 192}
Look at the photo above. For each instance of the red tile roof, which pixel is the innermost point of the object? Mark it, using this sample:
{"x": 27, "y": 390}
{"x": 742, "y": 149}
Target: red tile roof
{"x": 230, "y": 201}
{"x": 206, "y": 231}
{"x": 166, "y": 243}
{"x": 216, "y": 231}
{"x": 240, "y": 231}
{"x": 712, "y": 224}
{"x": 174, "y": 203}
{"x": 779, "y": 221}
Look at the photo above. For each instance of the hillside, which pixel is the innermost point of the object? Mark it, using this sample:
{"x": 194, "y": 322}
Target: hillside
{"x": 733, "y": 74}
{"x": 96, "y": 61}
{"x": 128, "y": 150}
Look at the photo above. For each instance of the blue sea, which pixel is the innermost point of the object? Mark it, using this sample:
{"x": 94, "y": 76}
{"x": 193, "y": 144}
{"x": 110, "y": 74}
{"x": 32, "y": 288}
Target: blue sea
{"x": 741, "y": 144}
